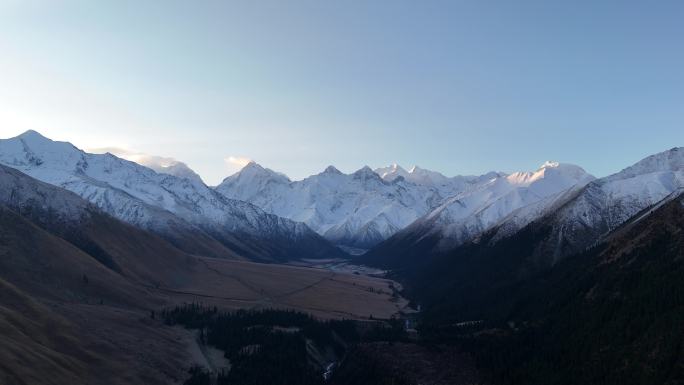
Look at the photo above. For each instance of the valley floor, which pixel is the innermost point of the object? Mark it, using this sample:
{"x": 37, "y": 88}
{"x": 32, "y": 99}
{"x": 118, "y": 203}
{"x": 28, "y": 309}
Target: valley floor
{"x": 107, "y": 343}
{"x": 324, "y": 293}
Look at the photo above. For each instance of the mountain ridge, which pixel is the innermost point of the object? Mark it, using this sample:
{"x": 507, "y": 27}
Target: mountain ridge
{"x": 165, "y": 204}
{"x": 571, "y": 220}
{"x": 358, "y": 209}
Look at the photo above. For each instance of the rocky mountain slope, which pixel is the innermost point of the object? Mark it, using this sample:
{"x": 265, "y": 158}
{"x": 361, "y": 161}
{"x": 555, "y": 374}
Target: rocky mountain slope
{"x": 609, "y": 314}
{"x": 183, "y": 210}
{"x": 358, "y": 210}
{"x": 74, "y": 291}
{"x": 583, "y": 218}
{"x": 506, "y": 202}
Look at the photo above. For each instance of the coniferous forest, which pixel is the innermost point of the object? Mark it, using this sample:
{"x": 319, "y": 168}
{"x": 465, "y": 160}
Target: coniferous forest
{"x": 612, "y": 314}
{"x": 284, "y": 347}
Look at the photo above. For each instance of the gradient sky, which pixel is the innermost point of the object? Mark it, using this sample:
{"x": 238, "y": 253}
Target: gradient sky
{"x": 461, "y": 87}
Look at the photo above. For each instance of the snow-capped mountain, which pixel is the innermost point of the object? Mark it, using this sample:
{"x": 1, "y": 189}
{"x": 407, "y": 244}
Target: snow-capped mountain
{"x": 162, "y": 203}
{"x": 517, "y": 198}
{"x": 392, "y": 172}
{"x": 169, "y": 167}
{"x": 447, "y": 186}
{"x": 262, "y": 214}
{"x": 605, "y": 204}
{"x": 565, "y": 209}
{"x": 252, "y": 181}
{"x": 24, "y": 194}
{"x": 160, "y": 164}
{"x": 119, "y": 247}
{"x": 356, "y": 210}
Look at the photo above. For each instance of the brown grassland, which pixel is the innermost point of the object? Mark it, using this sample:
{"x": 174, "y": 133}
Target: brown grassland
{"x": 65, "y": 318}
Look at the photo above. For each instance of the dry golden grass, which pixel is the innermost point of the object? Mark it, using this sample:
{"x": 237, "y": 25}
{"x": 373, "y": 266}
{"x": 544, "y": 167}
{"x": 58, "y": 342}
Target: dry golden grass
{"x": 326, "y": 294}
{"x": 67, "y": 319}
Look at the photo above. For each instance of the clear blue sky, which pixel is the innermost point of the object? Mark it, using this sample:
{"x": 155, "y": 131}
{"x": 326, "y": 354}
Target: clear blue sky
{"x": 461, "y": 87}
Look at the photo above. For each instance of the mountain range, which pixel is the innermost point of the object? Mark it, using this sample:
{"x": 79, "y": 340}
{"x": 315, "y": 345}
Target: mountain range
{"x": 356, "y": 210}
{"x": 185, "y": 211}
{"x": 573, "y": 218}
{"x": 367, "y": 207}
{"x": 590, "y": 292}
{"x": 546, "y": 276}
{"x": 261, "y": 214}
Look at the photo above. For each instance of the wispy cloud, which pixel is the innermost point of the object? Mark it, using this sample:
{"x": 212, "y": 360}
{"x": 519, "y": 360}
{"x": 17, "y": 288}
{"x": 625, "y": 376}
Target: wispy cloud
{"x": 118, "y": 151}
{"x": 161, "y": 164}
{"x": 135, "y": 156}
{"x": 236, "y": 163}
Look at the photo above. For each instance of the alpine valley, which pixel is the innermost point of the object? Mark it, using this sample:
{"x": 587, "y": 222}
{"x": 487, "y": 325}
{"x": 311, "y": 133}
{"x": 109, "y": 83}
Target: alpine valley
{"x": 114, "y": 272}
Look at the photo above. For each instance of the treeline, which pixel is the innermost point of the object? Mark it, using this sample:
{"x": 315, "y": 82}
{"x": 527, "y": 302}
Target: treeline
{"x": 230, "y": 331}
{"x": 611, "y": 315}
{"x": 265, "y": 346}
{"x": 270, "y": 346}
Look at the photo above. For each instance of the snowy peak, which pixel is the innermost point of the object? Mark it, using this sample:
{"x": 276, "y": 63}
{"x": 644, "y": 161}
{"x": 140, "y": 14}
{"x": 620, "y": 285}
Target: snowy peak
{"x": 424, "y": 177}
{"x": 565, "y": 170}
{"x": 36, "y": 140}
{"x": 414, "y": 175}
{"x": 250, "y": 181}
{"x": 366, "y": 173}
{"x": 32, "y": 135}
{"x": 332, "y": 170}
{"x": 551, "y": 172}
{"x": 255, "y": 170}
{"x": 427, "y": 177}
{"x": 421, "y": 171}
{"x": 252, "y": 165}
{"x": 364, "y": 170}
{"x": 178, "y": 169}
{"x": 31, "y": 150}
{"x": 391, "y": 172}
{"x": 160, "y": 164}
{"x": 667, "y": 161}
